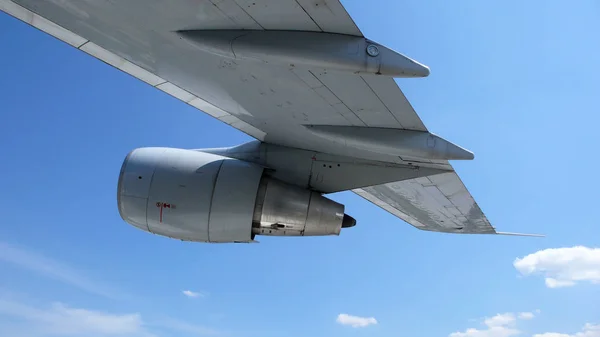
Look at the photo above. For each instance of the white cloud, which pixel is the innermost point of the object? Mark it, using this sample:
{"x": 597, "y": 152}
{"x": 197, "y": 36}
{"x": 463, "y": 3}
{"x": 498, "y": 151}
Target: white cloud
{"x": 497, "y": 331}
{"x": 355, "y": 321}
{"x": 526, "y": 315}
{"x": 554, "y": 283}
{"x": 589, "y": 330}
{"x": 500, "y": 325}
{"x": 62, "y": 320}
{"x": 52, "y": 269}
{"x": 500, "y": 320}
{"x": 505, "y": 325}
{"x": 192, "y": 294}
{"x": 562, "y": 267}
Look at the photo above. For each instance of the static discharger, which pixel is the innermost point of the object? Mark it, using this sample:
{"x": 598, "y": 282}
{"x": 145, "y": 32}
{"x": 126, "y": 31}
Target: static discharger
{"x": 328, "y": 51}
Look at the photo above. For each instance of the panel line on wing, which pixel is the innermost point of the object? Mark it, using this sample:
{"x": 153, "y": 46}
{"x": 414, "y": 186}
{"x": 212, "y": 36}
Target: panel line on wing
{"x": 156, "y": 86}
{"x": 341, "y": 101}
{"x": 331, "y": 16}
{"x": 314, "y": 83}
{"x": 352, "y": 90}
{"x": 390, "y": 93}
{"x": 305, "y": 11}
{"x": 278, "y": 15}
{"x": 83, "y": 44}
{"x": 382, "y": 102}
{"x": 243, "y": 10}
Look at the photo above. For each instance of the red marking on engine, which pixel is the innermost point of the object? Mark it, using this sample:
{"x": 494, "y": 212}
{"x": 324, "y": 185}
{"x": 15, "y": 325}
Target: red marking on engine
{"x": 163, "y": 205}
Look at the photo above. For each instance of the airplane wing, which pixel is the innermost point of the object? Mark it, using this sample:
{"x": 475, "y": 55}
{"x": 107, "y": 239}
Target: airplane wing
{"x": 269, "y": 102}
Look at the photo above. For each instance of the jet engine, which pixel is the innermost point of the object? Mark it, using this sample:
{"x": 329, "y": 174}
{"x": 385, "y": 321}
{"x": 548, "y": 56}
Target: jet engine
{"x": 196, "y": 196}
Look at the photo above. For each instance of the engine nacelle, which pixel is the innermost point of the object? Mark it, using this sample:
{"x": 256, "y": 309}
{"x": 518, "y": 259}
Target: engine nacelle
{"x": 196, "y": 196}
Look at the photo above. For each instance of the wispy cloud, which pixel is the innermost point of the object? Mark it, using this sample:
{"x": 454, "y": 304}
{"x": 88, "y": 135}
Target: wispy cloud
{"x": 562, "y": 267}
{"x": 186, "y": 328}
{"x": 22, "y": 318}
{"x": 193, "y": 294}
{"x": 526, "y": 315}
{"x": 505, "y": 325}
{"x": 355, "y": 321}
{"x": 63, "y": 320}
{"x": 52, "y": 269}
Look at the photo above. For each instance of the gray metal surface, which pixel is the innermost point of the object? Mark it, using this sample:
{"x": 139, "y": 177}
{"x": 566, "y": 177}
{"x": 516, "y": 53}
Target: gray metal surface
{"x": 403, "y": 143}
{"x": 185, "y": 182}
{"x": 203, "y": 197}
{"x": 188, "y": 195}
{"x": 233, "y": 199}
{"x": 134, "y": 187}
{"x": 294, "y": 211}
{"x": 324, "y": 172}
{"x": 438, "y": 203}
{"x": 324, "y": 216}
{"x": 270, "y": 102}
{"x": 334, "y": 52}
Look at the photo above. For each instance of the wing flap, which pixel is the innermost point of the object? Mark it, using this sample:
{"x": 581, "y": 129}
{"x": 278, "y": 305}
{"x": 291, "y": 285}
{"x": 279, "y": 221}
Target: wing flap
{"x": 438, "y": 203}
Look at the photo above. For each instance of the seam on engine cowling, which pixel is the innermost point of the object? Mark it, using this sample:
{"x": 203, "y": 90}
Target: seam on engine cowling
{"x": 149, "y": 191}
{"x": 212, "y": 195}
{"x": 310, "y": 197}
{"x": 120, "y": 184}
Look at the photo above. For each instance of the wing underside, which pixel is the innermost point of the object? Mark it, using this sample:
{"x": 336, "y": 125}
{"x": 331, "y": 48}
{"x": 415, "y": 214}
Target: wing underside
{"x": 267, "y": 102}
{"x": 438, "y": 203}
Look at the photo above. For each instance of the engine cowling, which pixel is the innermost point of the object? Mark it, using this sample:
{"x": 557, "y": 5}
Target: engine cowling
{"x": 196, "y": 196}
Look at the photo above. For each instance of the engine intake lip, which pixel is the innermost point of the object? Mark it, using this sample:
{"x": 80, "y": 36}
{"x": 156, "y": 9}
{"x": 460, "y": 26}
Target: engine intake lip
{"x": 120, "y": 184}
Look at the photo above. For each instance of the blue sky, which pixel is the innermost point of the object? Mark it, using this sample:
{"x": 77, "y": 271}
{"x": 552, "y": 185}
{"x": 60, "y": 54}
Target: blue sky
{"x": 516, "y": 82}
